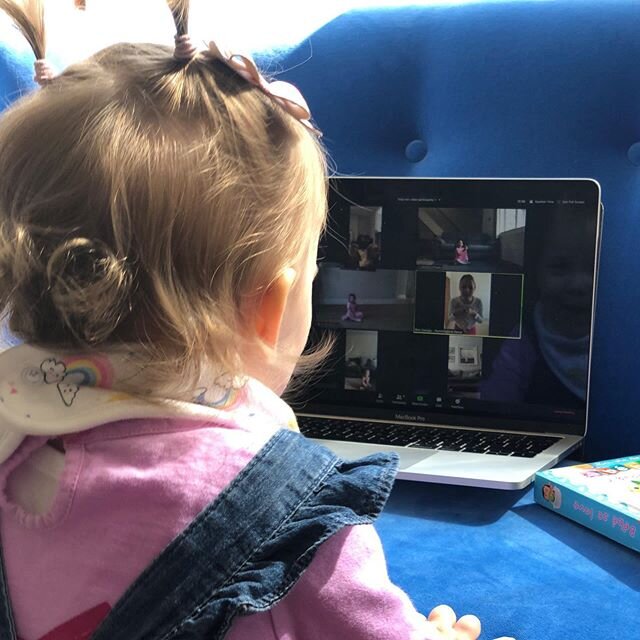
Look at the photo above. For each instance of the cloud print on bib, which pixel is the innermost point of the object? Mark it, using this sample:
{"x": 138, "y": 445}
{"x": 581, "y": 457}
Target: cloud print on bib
{"x": 72, "y": 374}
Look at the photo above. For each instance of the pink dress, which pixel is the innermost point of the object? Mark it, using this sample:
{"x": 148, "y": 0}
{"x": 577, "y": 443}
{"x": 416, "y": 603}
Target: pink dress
{"x": 462, "y": 255}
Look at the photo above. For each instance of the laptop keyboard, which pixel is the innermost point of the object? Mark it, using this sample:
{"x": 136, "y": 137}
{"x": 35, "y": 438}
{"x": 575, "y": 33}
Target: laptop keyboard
{"x": 426, "y": 437}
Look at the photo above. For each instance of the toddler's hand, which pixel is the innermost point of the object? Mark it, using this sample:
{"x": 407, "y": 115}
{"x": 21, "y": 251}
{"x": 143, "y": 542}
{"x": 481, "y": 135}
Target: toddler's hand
{"x": 447, "y": 627}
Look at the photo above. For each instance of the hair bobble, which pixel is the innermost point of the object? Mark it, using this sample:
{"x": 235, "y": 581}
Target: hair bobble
{"x": 185, "y": 49}
{"x": 284, "y": 93}
{"x": 44, "y": 73}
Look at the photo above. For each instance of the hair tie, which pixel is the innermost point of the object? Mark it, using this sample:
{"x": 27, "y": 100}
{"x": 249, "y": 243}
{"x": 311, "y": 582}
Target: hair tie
{"x": 43, "y": 72}
{"x": 185, "y": 49}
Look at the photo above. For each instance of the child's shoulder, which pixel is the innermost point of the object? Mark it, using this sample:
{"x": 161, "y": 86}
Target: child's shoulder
{"x": 187, "y": 458}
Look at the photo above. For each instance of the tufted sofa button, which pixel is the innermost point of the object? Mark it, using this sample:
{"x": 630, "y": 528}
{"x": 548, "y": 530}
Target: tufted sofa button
{"x": 634, "y": 154}
{"x": 416, "y": 150}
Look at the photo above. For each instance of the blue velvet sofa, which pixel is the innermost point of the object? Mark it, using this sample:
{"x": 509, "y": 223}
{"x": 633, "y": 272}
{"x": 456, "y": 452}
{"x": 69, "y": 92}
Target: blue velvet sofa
{"x": 531, "y": 88}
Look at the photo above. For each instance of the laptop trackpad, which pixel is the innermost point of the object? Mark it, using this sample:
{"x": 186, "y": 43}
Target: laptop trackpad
{"x": 351, "y": 450}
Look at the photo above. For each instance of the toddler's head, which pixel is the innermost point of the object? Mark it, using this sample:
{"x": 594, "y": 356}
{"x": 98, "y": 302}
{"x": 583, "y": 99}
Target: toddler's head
{"x": 352, "y": 297}
{"x": 162, "y": 206}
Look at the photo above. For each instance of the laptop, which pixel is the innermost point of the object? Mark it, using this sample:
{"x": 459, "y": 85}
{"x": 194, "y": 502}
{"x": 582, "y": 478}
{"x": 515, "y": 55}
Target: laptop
{"x": 462, "y": 314}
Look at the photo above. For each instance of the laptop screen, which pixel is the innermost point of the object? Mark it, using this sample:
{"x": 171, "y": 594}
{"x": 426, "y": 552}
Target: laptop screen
{"x": 458, "y": 301}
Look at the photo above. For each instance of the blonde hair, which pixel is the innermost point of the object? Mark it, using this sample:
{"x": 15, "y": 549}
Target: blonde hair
{"x": 143, "y": 199}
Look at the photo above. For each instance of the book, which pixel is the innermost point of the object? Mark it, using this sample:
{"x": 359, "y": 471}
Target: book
{"x": 604, "y": 496}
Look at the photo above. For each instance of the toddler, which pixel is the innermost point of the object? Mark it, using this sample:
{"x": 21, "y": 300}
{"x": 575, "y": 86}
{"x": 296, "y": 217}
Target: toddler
{"x": 462, "y": 253}
{"x": 353, "y": 313}
{"x": 160, "y": 210}
{"x": 465, "y": 311}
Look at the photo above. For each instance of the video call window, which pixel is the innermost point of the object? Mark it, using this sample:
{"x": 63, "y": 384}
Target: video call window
{"x": 549, "y": 364}
{"x": 469, "y": 303}
{"x": 412, "y": 364}
{"x": 361, "y": 360}
{"x": 380, "y": 301}
{"x": 448, "y": 302}
{"x": 482, "y": 240}
{"x": 365, "y": 231}
{"x": 464, "y": 367}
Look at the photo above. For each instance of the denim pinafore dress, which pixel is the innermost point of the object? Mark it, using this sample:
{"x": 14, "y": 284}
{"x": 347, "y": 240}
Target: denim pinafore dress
{"x": 246, "y": 550}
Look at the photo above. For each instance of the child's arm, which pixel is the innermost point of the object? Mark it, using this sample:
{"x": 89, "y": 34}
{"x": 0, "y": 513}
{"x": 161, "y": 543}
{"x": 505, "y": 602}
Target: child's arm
{"x": 346, "y": 593}
{"x": 478, "y": 311}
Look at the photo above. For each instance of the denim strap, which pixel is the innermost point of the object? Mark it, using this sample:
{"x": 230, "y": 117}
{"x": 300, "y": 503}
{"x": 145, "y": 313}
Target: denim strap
{"x": 246, "y": 550}
{"x": 7, "y": 626}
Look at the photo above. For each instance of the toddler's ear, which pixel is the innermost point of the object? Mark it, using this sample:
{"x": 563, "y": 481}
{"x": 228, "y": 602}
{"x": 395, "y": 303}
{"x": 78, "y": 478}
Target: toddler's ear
{"x": 271, "y": 307}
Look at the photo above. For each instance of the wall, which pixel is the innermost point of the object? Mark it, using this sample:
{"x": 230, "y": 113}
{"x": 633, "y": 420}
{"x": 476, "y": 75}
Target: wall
{"x": 370, "y": 287}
